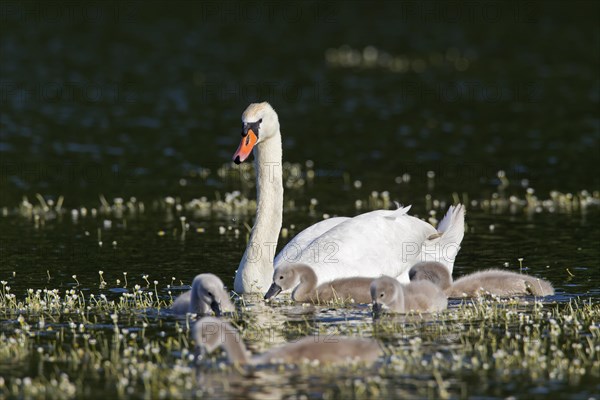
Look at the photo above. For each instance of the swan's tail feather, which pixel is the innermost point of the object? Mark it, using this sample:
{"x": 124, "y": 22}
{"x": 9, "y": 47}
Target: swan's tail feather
{"x": 451, "y": 231}
{"x": 453, "y": 223}
{"x": 452, "y": 214}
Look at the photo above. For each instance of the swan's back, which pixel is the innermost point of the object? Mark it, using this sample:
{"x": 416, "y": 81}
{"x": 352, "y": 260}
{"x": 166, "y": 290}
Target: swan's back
{"x": 499, "y": 283}
{"x": 369, "y": 245}
{"x": 344, "y": 289}
{"x": 324, "y": 348}
{"x": 424, "y": 296}
{"x": 303, "y": 239}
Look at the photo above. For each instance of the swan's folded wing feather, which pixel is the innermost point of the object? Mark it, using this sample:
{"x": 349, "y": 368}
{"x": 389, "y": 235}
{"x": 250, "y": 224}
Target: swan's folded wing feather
{"x": 400, "y": 212}
{"x": 303, "y": 239}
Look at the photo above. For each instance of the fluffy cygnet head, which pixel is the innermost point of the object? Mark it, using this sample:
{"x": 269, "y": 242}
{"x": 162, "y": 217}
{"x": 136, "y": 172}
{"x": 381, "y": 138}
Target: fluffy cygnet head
{"x": 284, "y": 278}
{"x": 432, "y": 271}
{"x": 208, "y": 291}
{"x": 384, "y": 291}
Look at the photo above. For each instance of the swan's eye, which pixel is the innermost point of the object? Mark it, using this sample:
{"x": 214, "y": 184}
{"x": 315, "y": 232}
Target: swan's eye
{"x": 381, "y": 295}
{"x": 260, "y": 120}
{"x": 210, "y": 294}
{"x": 281, "y": 277}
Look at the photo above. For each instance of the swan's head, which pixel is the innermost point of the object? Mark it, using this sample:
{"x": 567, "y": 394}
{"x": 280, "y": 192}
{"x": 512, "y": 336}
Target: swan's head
{"x": 209, "y": 333}
{"x": 432, "y": 271}
{"x": 384, "y": 291}
{"x": 208, "y": 291}
{"x": 259, "y": 124}
{"x": 284, "y": 278}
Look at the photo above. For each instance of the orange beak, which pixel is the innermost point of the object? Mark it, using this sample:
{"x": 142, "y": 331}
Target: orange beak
{"x": 246, "y": 146}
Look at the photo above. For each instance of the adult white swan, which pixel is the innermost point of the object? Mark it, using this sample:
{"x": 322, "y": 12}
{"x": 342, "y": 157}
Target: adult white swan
{"x": 382, "y": 242}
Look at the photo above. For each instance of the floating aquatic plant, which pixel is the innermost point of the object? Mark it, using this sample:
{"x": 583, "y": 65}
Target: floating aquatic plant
{"x": 126, "y": 344}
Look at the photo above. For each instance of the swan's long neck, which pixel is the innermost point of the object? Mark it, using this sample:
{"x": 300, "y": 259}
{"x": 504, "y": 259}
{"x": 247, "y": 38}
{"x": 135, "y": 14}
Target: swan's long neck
{"x": 235, "y": 348}
{"x": 307, "y": 289}
{"x": 256, "y": 268}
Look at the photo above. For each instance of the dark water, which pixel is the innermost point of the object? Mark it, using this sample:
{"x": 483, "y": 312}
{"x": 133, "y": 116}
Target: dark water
{"x": 125, "y": 98}
{"x": 140, "y": 98}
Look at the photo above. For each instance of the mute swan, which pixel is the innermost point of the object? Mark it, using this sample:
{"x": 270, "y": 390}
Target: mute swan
{"x": 382, "y": 242}
{"x": 207, "y": 294}
{"x": 416, "y": 296}
{"x": 491, "y": 281}
{"x": 304, "y": 280}
{"x": 210, "y": 333}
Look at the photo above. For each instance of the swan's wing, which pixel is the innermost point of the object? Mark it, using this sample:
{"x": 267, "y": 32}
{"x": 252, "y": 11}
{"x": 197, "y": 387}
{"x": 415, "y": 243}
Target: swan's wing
{"x": 381, "y": 242}
{"x": 299, "y": 243}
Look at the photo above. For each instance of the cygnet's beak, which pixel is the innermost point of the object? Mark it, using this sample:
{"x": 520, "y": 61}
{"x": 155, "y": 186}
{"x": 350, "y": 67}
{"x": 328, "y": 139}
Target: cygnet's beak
{"x": 216, "y": 307}
{"x": 376, "y": 307}
{"x": 273, "y": 291}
